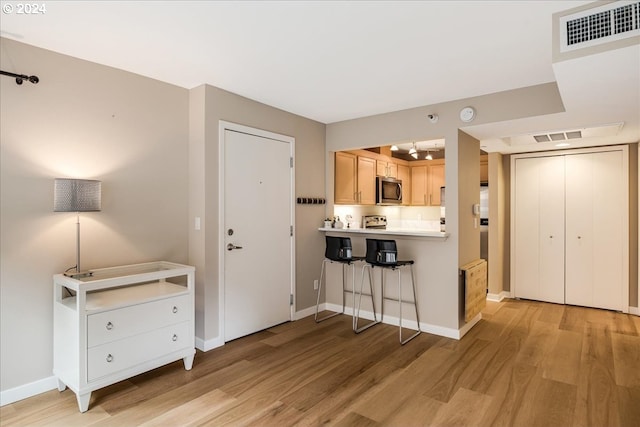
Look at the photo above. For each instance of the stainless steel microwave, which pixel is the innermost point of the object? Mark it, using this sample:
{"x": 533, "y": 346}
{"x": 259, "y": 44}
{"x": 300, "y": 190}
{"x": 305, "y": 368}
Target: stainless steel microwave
{"x": 388, "y": 191}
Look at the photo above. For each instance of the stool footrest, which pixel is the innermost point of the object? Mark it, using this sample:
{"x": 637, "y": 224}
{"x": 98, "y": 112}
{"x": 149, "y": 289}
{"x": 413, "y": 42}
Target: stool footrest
{"x": 326, "y": 317}
{"x": 408, "y": 339}
{"x": 404, "y": 301}
{"x": 357, "y": 329}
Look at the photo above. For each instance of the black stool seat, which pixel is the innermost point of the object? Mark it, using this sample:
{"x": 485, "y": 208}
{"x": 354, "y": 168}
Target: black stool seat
{"x": 384, "y": 254}
{"x": 339, "y": 249}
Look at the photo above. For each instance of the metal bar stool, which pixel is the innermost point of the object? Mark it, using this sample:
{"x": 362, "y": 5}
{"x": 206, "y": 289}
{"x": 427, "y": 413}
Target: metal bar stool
{"x": 383, "y": 254}
{"x": 339, "y": 250}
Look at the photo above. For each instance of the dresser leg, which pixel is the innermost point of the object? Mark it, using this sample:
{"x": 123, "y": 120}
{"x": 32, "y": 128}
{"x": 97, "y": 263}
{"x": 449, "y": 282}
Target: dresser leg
{"x": 61, "y": 385}
{"x": 188, "y": 362}
{"x": 83, "y": 401}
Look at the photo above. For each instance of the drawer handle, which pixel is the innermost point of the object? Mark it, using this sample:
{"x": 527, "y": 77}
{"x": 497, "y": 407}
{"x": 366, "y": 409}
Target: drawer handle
{"x": 109, "y": 326}
{"x": 174, "y": 338}
{"x": 175, "y": 309}
{"x": 109, "y": 358}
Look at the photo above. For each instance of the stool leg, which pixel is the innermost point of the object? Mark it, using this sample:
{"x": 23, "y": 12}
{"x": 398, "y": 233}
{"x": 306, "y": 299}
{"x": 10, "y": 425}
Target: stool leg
{"x": 344, "y": 268}
{"x": 323, "y": 279}
{"x": 415, "y": 304}
{"x": 415, "y": 297}
{"x": 356, "y": 317}
{"x": 383, "y": 293}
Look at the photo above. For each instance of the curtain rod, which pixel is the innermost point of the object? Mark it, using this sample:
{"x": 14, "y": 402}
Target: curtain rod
{"x": 21, "y": 77}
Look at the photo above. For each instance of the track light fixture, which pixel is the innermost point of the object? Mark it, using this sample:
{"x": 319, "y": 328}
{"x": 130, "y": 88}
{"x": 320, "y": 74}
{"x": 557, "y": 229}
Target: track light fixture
{"x": 413, "y": 152}
{"x": 21, "y": 77}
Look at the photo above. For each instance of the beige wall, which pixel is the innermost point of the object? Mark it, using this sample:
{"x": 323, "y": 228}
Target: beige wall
{"x": 497, "y": 219}
{"x": 468, "y": 195}
{"x": 82, "y": 120}
{"x": 210, "y": 105}
{"x": 462, "y": 170}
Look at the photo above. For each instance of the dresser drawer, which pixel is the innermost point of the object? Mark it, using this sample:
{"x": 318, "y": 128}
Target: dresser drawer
{"x": 116, "y": 356}
{"x": 113, "y": 325}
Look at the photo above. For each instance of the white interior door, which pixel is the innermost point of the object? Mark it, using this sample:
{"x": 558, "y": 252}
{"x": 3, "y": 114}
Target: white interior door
{"x": 538, "y": 260}
{"x": 595, "y": 230}
{"x": 257, "y": 226}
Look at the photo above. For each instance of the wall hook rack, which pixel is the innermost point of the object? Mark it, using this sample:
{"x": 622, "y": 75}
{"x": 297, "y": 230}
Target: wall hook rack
{"x": 21, "y": 77}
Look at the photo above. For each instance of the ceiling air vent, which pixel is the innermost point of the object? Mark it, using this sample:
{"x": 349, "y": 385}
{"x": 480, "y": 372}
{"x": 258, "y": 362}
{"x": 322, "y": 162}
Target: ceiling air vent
{"x": 613, "y": 21}
{"x": 558, "y": 136}
{"x": 564, "y": 135}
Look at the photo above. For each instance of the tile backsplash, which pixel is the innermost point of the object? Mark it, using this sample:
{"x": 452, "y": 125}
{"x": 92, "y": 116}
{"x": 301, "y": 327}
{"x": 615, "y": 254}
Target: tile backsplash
{"x": 398, "y": 217}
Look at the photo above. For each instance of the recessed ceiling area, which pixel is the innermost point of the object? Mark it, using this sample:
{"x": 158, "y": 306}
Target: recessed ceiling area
{"x": 335, "y": 61}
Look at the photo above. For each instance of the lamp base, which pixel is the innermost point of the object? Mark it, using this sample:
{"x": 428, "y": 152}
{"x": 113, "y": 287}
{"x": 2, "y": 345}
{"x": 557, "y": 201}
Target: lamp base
{"x": 79, "y": 275}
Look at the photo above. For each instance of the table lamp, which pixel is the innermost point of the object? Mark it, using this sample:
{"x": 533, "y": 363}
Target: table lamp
{"x": 76, "y": 195}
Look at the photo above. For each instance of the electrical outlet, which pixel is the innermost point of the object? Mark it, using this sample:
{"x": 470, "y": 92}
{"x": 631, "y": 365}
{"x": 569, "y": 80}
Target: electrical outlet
{"x": 315, "y": 285}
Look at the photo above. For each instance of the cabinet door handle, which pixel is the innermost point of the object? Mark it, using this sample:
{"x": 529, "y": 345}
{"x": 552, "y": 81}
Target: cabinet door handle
{"x": 109, "y": 326}
{"x": 175, "y": 309}
{"x": 174, "y": 337}
{"x": 109, "y": 358}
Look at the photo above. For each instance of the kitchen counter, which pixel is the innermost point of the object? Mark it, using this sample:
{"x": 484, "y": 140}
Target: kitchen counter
{"x": 389, "y": 232}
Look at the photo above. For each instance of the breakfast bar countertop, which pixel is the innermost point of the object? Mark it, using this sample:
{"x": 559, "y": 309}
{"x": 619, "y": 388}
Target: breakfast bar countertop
{"x": 389, "y": 232}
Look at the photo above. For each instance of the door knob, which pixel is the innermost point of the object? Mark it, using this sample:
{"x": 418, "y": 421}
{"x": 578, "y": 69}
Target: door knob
{"x": 231, "y": 247}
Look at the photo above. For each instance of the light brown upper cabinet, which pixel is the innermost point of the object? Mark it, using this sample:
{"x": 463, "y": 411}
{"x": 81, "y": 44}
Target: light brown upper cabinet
{"x": 366, "y": 181}
{"x": 355, "y": 179}
{"x": 484, "y": 168}
{"x": 426, "y": 180}
{"x": 388, "y": 169}
{"x": 404, "y": 175}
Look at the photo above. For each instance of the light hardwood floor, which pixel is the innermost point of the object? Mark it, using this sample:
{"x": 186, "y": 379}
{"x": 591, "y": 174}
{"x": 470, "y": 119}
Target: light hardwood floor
{"x": 525, "y": 364}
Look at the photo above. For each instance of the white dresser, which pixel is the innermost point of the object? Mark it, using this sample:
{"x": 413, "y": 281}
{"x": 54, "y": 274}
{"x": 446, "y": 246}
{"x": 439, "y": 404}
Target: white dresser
{"x": 120, "y": 322}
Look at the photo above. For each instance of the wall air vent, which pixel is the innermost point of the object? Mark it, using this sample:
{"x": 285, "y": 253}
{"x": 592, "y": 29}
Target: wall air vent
{"x": 613, "y": 21}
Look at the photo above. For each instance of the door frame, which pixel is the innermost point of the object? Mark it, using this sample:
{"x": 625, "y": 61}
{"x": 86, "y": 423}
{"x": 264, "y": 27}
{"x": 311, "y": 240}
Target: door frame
{"x": 222, "y": 127}
{"x": 625, "y": 224}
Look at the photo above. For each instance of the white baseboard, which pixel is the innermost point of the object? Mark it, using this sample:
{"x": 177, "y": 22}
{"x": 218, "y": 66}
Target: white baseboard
{"x": 634, "y": 310}
{"x": 27, "y": 390}
{"x": 207, "y": 345}
{"x": 498, "y": 297}
{"x": 311, "y": 311}
{"x": 411, "y": 324}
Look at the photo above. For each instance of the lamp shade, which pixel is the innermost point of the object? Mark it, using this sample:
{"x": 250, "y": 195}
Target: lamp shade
{"x": 77, "y": 195}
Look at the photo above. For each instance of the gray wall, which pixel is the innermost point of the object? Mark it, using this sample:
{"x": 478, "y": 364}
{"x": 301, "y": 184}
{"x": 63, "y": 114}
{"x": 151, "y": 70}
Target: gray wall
{"x": 209, "y": 105}
{"x": 82, "y": 120}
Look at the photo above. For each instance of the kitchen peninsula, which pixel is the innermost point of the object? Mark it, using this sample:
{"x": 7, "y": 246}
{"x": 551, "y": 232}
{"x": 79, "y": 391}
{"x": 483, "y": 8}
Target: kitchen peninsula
{"x": 380, "y": 234}
{"x": 426, "y": 248}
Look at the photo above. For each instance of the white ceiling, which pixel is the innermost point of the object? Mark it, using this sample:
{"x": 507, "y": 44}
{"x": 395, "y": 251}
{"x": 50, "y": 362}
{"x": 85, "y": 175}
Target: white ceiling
{"x": 333, "y": 61}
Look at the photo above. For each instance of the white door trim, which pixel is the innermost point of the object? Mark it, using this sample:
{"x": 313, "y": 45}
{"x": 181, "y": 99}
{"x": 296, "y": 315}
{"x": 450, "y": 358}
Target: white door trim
{"x": 222, "y": 127}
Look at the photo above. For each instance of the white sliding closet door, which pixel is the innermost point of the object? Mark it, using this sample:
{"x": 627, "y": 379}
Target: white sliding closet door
{"x": 539, "y": 229}
{"x": 595, "y": 204}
